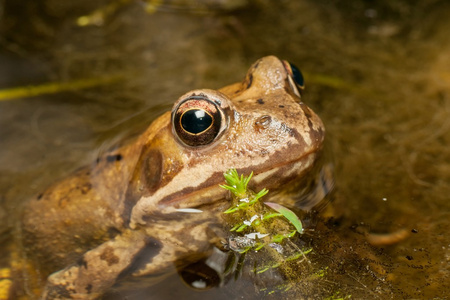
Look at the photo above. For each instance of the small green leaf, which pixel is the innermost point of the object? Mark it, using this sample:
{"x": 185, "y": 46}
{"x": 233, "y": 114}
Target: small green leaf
{"x": 295, "y": 256}
{"x": 242, "y": 251}
{"x": 260, "y": 194}
{"x": 243, "y": 205}
{"x": 227, "y": 187}
{"x": 242, "y": 227}
{"x": 291, "y": 234}
{"x": 288, "y": 214}
{"x": 287, "y": 288}
{"x": 230, "y": 210}
{"x": 259, "y": 246}
{"x": 307, "y": 251}
{"x": 270, "y": 216}
{"x": 246, "y": 180}
{"x": 278, "y": 238}
{"x": 235, "y": 227}
{"x": 262, "y": 270}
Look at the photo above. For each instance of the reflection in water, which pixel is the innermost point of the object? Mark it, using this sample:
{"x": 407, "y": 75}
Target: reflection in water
{"x": 377, "y": 74}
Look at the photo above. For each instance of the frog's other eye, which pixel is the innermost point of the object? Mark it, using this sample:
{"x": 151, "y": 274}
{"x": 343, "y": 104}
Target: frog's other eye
{"x": 197, "y": 121}
{"x": 296, "y": 80}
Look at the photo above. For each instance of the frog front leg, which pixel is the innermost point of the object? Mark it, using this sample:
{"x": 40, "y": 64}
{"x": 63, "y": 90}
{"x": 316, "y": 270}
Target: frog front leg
{"x": 98, "y": 269}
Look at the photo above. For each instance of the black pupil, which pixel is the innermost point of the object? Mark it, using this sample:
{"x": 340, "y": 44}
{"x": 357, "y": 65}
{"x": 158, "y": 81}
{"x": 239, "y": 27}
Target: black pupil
{"x": 297, "y": 75}
{"x": 195, "y": 121}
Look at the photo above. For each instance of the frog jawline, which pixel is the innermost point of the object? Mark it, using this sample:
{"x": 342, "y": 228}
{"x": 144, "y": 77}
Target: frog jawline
{"x": 216, "y": 193}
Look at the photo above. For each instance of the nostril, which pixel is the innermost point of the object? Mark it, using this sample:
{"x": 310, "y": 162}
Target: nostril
{"x": 263, "y": 122}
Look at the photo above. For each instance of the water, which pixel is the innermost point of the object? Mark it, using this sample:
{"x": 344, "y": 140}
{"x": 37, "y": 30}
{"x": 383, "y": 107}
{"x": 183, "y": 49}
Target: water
{"x": 376, "y": 73}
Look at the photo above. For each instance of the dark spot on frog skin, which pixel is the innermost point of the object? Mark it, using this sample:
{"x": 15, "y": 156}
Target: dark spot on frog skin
{"x": 151, "y": 249}
{"x": 249, "y": 81}
{"x": 109, "y": 256}
{"x": 409, "y": 257}
{"x": 264, "y": 152}
{"x": 147, "y": 178}
{"x": 239, "y": 90}
{"x": 308, "y": 115}
{"x": 260, "y": 101}
{"x": 63, "y": 201}
{"x": 151, "y": 172}
{"x": 256, "y": 64}
{"x": 82, "y": 263}
{"x": 113, "y": 232}
{"x": 281, "y": 106}
{"x": 60, "y": 291}
{"x": 291, "y": 133}
{"x": 39, "y": 197}
{"x": 114, "y": 157}
{"x": 294, "y": 133}
{"x": 89, "y": 288}
{"x": 240, "y": 152}
{"x": 85, "y": 188}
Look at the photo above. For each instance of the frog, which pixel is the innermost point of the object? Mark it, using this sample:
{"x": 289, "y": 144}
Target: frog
{"x": 155, "y": 203}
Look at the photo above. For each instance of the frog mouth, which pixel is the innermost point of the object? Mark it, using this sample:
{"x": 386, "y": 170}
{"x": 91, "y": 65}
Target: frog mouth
{"x": 274, "y": 177}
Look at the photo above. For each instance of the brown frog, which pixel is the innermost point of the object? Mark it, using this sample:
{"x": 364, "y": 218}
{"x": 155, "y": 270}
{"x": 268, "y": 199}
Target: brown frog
{"x": 157, "y": 202}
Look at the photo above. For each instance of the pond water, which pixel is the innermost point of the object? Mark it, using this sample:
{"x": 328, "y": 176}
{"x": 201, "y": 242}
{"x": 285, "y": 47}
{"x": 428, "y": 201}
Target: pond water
{"x": 377, "y": 73}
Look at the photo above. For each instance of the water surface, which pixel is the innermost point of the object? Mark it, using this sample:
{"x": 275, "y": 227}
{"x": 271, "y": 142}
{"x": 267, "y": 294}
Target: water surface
{"x": 377, "y": 74}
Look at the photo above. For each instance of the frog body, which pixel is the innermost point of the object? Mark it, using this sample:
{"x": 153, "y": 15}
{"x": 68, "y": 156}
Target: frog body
{"x": 157, "y": 202}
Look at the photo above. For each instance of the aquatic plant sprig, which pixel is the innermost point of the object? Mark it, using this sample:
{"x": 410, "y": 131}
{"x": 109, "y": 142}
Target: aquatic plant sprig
{"x": 238, "y": 186}
{"x": 255, "y": 216}
{"x": 267, "y": 230}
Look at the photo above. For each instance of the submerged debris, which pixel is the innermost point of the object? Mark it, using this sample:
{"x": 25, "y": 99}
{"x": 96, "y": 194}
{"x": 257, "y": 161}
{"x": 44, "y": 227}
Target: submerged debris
{"x": 99, "y": 16}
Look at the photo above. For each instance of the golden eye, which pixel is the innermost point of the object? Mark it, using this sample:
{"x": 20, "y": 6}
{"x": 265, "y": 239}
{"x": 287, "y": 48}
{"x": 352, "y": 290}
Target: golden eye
{"x": 197, "y": 121}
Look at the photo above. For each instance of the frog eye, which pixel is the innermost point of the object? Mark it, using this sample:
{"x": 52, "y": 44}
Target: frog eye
{"x": 295, "y": 77}
{"x": 197, "y": 121}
